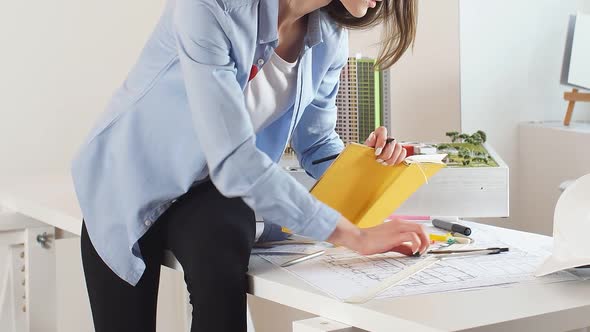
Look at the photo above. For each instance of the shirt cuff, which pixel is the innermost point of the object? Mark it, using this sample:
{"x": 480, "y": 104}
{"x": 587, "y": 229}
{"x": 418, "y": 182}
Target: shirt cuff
{"x": 322, "y": 224}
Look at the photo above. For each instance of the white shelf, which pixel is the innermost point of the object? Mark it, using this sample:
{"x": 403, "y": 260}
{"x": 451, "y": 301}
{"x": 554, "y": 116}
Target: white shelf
{"x": 581, "y": 127}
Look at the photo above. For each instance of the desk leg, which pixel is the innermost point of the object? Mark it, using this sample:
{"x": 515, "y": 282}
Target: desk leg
{"x": 249, "y": 321}
{"x": 320, "y": 324}
{"x": 40, "y": 278}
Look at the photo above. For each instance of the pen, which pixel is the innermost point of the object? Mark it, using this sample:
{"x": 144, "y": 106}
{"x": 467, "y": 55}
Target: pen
{"x": 467, "y": 254}
{"x": 303, "y": 258}
{"x": 449, "y": 226}
{"x": 449, "y": 254}
{"x": 334, "y": 156}
{"x": 493, "y": 250}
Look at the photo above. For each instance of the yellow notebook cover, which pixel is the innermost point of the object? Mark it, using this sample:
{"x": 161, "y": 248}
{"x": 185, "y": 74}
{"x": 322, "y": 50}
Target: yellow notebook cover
{"x": 366, "y": 192}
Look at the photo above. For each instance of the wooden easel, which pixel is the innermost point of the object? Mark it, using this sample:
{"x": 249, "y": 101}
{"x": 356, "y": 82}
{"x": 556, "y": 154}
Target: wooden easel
{"x": 573, "y": 97}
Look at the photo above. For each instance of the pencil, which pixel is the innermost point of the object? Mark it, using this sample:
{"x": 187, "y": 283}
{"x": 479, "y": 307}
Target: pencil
{"x": 334, "y": 156}
{"x": 303, "y": 258}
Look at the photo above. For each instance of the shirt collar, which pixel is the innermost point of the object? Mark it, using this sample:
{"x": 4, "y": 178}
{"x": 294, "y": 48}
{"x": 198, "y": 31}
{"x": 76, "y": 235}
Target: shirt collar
{"x": 268, "y": 17}
{"x": 314, "y": 29}
{"x": 268, "y": 24}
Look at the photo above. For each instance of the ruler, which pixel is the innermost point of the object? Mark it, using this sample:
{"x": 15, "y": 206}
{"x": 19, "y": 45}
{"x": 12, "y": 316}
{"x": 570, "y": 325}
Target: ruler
{"x": 391, "y": 281}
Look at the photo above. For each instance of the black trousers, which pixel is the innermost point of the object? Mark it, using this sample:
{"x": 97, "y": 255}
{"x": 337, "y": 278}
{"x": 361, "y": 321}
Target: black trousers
{"x": 211, "y": 236}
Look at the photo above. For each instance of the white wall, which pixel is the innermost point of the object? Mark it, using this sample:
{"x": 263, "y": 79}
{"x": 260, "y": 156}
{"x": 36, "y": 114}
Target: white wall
{"x": 425, "y": 87}
{"x": 511, "y": 55}
{"x": 60, "y": 62}
{"x": 65, "y": 58}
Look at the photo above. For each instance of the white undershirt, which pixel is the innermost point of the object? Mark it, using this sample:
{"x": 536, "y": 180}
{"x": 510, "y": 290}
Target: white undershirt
{"x": 271, "y": 92}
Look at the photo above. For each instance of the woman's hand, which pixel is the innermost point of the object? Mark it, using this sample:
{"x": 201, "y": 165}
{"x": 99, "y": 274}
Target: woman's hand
{"x": 396, "y": 235}
{"x": 386, "y": 154}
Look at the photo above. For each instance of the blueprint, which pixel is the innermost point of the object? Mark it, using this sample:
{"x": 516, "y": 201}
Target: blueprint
{"x": 344, "y": 274}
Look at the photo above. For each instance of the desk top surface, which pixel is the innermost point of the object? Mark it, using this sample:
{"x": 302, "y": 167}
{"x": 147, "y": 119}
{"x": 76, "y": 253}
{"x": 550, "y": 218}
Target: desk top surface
{"x": 547, "y": 307}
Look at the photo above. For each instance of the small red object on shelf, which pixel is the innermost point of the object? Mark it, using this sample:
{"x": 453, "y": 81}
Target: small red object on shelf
{"x": 409, "y": 150}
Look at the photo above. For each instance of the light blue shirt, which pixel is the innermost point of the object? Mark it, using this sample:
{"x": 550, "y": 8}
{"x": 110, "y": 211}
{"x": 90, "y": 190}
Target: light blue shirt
{"x": 180, "y": 117}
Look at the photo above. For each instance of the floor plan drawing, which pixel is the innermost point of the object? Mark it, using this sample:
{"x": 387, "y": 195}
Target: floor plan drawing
{"x": 343, "y": 273}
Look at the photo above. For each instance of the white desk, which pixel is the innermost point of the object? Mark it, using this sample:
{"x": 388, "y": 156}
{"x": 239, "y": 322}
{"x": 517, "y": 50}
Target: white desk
{"x": 534, "y": 307}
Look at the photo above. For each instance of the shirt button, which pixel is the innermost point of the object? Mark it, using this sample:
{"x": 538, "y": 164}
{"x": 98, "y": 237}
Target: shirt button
{"x": 260, "y": 62}
{"x": 174, "y": 200}
{"x": 148, "y": 222}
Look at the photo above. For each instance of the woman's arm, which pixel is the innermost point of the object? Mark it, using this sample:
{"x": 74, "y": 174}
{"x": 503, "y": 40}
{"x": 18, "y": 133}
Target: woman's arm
{"x": 315, "y": 136}
{"x": 396, "y": 235}
{"x": 223, "y": 126}
{"x": 236, "y": 166}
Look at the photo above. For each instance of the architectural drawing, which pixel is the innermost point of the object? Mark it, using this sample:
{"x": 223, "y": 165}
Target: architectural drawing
{"x": 343, "y": 273}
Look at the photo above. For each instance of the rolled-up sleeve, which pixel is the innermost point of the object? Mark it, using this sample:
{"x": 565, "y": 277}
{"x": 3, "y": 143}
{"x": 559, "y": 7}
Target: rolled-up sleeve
{"x": 223, "y": 126}
{"x": 315, "y": 136}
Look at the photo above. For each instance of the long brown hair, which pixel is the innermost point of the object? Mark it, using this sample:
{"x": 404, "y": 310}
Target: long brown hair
{"x": 399, "y": 19}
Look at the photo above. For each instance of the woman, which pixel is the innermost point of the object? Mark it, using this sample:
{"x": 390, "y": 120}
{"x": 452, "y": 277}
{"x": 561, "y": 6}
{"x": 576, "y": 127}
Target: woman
{"x": 188, "y": 147}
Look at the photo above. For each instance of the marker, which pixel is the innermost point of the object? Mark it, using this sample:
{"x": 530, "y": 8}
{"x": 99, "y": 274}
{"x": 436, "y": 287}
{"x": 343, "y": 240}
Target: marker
{"x": 449, "y": 226}
{"x": 334, "y": 156}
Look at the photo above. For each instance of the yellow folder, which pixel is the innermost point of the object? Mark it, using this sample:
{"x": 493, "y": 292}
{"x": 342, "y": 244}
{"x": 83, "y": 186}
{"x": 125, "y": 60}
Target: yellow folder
{"x": 366, "y": 192}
